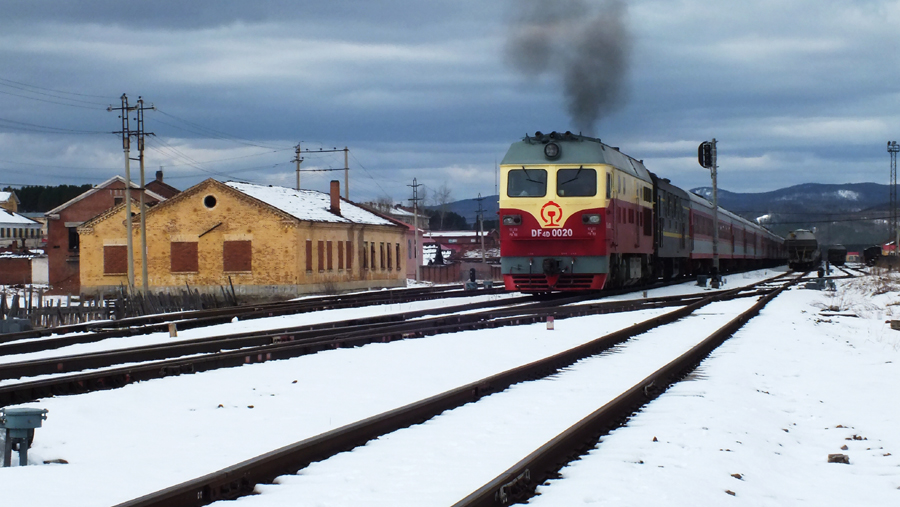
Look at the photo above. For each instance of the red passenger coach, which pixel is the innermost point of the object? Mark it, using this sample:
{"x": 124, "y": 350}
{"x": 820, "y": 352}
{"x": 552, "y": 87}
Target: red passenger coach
{"x": 576, "y": 214}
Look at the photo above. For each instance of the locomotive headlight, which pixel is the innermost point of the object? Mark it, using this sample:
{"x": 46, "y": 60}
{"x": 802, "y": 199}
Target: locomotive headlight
{"x": 512, "y": 219}
{"x": 551, "y": 150}
{"x": 590, "y": 219}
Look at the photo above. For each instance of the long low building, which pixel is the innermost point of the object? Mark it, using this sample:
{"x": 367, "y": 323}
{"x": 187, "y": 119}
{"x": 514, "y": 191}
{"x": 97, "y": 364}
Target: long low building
{"x": 266, "y": 241}
{"x": 17, "y": 231}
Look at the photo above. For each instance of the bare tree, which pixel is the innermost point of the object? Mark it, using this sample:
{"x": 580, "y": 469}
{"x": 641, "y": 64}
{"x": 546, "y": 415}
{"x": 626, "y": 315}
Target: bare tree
{"x": 384, "y": 204}
{"x": 440, "y": 200}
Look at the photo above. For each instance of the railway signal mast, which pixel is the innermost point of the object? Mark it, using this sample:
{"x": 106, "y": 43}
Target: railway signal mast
{"x": 893, "y": 148}
{"x": 706, "y": 155}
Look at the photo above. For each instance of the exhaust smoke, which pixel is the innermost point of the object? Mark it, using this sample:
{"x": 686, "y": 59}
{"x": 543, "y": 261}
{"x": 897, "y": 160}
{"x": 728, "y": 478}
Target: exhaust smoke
{"x": 584, "y": 43}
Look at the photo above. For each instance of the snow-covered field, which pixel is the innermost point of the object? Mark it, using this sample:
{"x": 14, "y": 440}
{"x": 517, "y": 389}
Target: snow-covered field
{"x": 771, "y": 399}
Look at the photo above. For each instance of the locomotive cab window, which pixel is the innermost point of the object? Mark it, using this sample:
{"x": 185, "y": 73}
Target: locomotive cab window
{"x": 527, "y": 183}
{"x": 579, "y": 182}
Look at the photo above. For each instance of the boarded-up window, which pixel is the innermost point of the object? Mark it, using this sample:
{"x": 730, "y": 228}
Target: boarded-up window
{"x": 184, "y": 257}
{"x": 321, "y": 253}
{"x": 340, "y": 255}
{"x": 398, "y": 256}
{"x": 237, "y": 256}
{"x": 349, "y": 255}
{"x": 329, "y": 246}
{"x": 309, "y": 255}
{"x": 115, "y": 260}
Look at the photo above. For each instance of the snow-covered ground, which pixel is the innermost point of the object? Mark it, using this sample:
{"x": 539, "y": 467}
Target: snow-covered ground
{"x": 790, "y": 369}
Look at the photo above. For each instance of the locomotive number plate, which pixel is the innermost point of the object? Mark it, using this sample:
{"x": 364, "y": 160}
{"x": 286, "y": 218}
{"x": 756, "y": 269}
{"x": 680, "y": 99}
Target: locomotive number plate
{"x": 551, "y": 233}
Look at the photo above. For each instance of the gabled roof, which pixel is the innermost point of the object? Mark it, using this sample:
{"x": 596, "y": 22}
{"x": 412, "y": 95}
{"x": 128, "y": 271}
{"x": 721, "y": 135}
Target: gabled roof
{"x": 308, "y": 205}
{"x": 9, "y": 196}
{"x": 111, "y": 212}
{"x": 9, "y": 218}
{"x": 97, "y": 189}
{"x": 162, "y": 188}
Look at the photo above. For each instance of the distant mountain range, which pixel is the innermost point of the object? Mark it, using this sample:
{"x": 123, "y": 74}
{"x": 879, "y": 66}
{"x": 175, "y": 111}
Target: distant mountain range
{"x": 853, "y": 214}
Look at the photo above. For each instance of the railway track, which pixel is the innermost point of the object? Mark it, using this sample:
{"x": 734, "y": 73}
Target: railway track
{"x": 516, "y": 482}
{"x": 199, "y": 318}
{"x": 163, "y": 360}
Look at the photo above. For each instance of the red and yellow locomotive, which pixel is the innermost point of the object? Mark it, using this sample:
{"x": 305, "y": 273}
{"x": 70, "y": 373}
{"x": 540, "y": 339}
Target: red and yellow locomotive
{"x": 575, "y": 214}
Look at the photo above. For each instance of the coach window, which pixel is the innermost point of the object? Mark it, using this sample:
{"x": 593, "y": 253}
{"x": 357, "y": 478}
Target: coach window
{"x": 527, "y": 183}
{"x": 579, "y": 182}
{"x": 608, "y": 185}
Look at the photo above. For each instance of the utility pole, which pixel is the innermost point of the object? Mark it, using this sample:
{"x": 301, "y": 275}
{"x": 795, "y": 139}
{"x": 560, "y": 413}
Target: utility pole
{"x": 893, "y": 148}
{"x": 346, "y": 174}
{"x": 140, "y": 138}
{"x": 707, "y": 158}
{"x": 346, "y": 169}
{"x": 415, "y": 199}
{"x": 126, "y": 146}
{"x": 298, "y": 159}
{"x": 481, "y": 225}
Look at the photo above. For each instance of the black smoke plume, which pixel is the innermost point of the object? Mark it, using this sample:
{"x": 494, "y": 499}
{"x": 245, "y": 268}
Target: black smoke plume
{"x": 584, "y": 43}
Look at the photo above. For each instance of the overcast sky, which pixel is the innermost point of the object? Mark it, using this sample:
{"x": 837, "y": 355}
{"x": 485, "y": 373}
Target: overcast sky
{"x": 795, "y": 91}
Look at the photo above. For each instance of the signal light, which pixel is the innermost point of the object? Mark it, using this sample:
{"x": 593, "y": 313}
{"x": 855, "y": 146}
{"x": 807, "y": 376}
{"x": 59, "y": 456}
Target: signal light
{"x": 591, "y": 219}
{"x": 704, "y": 154}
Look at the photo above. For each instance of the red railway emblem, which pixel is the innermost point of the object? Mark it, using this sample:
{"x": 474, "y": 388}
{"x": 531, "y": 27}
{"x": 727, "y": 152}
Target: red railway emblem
{"x": 551, "y": 214}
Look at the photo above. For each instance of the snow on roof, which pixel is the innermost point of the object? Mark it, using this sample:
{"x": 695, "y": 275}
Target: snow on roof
{"x": 308, "y": 205}
{"x": 9, "y": 218}
{"x": 5, "y": 196}
{"x": 400, "y": 212}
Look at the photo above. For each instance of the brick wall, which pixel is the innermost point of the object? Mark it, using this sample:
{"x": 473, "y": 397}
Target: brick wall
{"x": 13, "y": 271}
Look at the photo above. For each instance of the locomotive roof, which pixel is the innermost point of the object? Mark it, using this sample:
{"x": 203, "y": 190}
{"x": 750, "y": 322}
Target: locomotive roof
{"x": 575, "y": 150}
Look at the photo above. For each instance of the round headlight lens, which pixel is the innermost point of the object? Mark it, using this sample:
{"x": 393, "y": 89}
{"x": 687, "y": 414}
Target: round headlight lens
{"x": 551, "y": 150}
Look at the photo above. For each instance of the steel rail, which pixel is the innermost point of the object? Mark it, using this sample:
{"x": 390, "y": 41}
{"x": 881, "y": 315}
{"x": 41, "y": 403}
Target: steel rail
{"x": 240, "y": 479}
{"x": 219, "y": 352}
{"x": 281, "y": 347}
{"x": 519, "y": 482}
{"x": 196, "y": 318}
{"x": 27, "y": 346}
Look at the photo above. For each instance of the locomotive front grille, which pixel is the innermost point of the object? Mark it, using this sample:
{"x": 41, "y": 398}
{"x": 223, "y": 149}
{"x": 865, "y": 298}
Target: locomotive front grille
{"x": 539, "y": 283}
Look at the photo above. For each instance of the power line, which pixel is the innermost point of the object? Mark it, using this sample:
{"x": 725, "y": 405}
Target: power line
{"x": 105, "y": 97}
{"x": 217, "y": 133}
{"x": 368, "y": 174}
{"x": 50, "y": 95}
{"x": 51, "y": 130}
{"x": 49, "y": 101}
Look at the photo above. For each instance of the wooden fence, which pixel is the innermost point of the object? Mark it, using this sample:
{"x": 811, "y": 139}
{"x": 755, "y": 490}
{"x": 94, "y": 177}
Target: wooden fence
{"x": 459, "y": 272}
{"x": 44, "y": 311}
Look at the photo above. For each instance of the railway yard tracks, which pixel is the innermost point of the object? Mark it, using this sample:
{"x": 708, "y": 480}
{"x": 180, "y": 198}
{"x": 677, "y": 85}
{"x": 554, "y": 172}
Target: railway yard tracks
{"x": 118, "y": 367}
{"x": 521, "y": 391}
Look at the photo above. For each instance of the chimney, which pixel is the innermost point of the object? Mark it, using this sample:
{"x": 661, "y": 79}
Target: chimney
{"x": 159, "y": 176}
{"x": 336, "y": 197}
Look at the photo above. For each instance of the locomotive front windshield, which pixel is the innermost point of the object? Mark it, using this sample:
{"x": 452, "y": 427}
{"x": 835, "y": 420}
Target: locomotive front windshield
{"x": 579, "y": 182}
{"x": 527, "y": 183}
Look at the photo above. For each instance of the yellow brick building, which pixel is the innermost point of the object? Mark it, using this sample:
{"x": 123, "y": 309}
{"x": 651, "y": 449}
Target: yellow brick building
{"x": 266, "y": 241}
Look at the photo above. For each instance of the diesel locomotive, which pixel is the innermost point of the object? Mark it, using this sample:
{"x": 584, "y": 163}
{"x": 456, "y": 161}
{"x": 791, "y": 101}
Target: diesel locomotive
{"x": 577, "y": 214}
